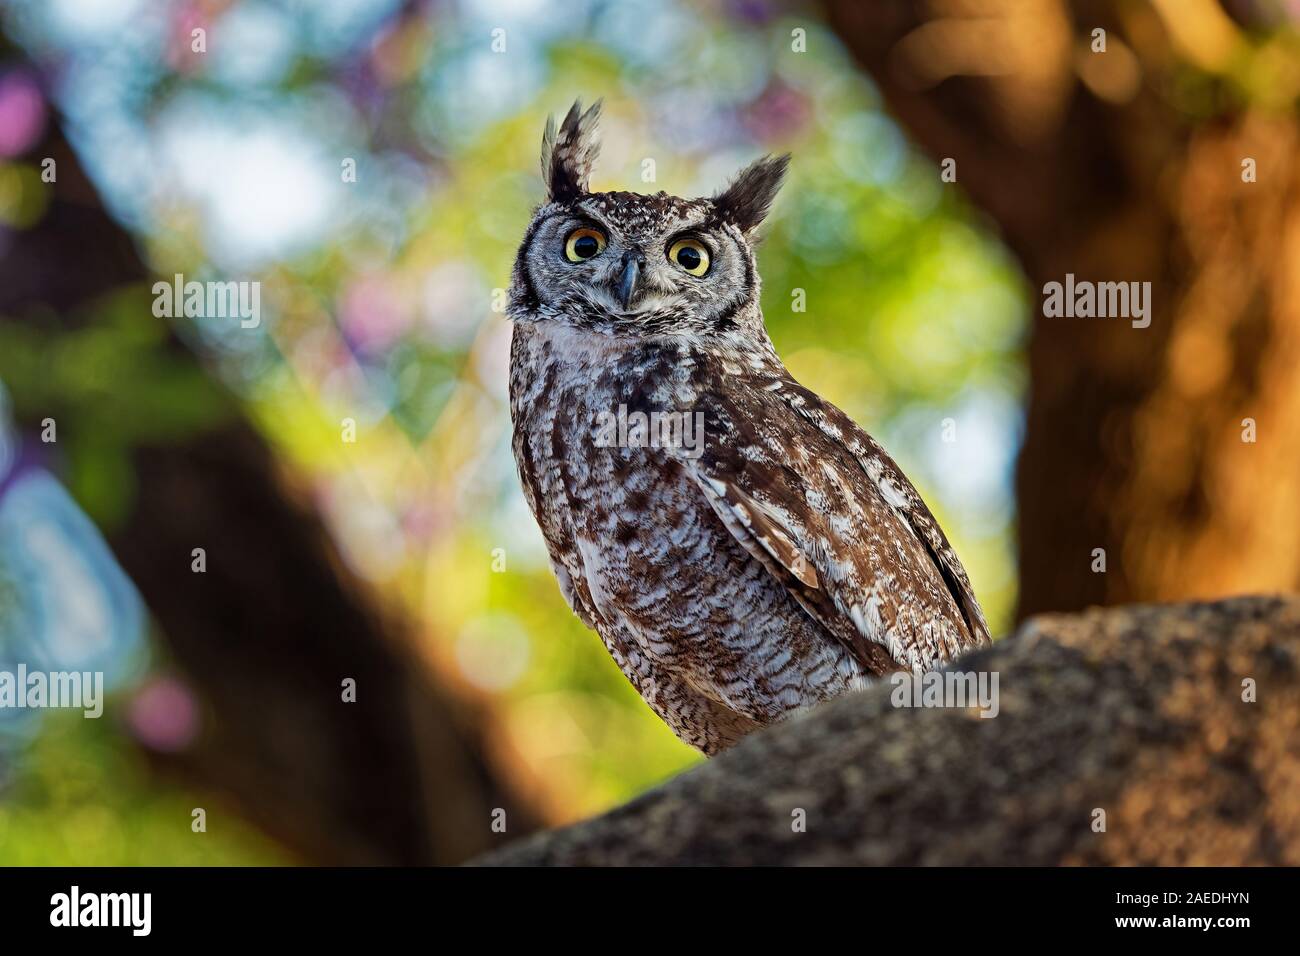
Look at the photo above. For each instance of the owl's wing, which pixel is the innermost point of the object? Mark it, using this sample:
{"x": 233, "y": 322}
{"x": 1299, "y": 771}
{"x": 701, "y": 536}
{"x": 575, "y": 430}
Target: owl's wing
{"x": 822, "y": 506}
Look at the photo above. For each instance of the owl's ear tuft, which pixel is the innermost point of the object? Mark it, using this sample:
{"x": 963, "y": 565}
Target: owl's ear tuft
{"x": 748, "y": 199}
{"x": 568, "y": 156}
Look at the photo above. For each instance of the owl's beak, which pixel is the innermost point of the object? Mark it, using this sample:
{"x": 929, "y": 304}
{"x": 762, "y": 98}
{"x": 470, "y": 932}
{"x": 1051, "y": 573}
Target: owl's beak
{"x": 630, "y": 279}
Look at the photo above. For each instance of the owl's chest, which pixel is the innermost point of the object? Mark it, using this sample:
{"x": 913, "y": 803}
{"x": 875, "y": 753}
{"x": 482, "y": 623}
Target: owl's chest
{"x": 601, "y": 463}
{"x": 689, "y": 615}
{"x": 597, "y": 436}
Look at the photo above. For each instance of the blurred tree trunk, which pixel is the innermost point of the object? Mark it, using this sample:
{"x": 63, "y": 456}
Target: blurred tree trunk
{"x": 1127, "y": 165}
{"x": 267, "y": 635}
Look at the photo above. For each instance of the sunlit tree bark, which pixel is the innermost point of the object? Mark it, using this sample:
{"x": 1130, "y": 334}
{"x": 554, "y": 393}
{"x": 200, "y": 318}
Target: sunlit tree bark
{"x": 1172, "y": 156}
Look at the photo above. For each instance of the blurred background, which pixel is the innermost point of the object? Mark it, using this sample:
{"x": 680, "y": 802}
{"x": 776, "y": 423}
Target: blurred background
{"x": 345, "y": 465}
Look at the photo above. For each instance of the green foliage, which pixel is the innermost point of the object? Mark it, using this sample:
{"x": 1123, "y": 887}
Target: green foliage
{"x": 110, "y": 385}
{"x": 82, "y": 796}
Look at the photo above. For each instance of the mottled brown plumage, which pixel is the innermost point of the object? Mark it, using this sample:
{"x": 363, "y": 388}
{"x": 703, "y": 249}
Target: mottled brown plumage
{"x": 779, "y": 559}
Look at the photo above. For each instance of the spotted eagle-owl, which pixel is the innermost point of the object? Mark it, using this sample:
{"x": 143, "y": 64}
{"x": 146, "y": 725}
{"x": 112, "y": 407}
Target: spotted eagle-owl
{"x": 778, "y": 559}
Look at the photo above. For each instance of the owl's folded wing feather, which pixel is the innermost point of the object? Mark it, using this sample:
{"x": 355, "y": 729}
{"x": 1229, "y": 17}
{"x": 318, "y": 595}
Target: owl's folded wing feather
{"x": 829, "y": 514}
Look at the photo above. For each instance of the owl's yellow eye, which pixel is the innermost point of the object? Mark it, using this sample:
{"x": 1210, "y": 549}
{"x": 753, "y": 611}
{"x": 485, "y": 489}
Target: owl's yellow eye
{"x": 583, "y": 244}
{"x": 691, "y": 255}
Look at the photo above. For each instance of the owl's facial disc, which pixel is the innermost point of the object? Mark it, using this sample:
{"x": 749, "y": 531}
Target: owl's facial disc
{"x": 633, "y": 264}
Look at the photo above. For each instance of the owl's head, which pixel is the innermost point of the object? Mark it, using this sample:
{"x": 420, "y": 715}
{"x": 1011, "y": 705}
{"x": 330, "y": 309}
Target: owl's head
{"x": 637, "y": 264}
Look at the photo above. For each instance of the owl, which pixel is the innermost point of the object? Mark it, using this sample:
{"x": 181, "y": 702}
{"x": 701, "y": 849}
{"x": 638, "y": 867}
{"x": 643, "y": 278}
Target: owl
{"x": 741, "y": 546}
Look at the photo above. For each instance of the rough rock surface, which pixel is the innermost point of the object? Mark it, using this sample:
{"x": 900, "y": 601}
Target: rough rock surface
{"x": 1137, "y": 711}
